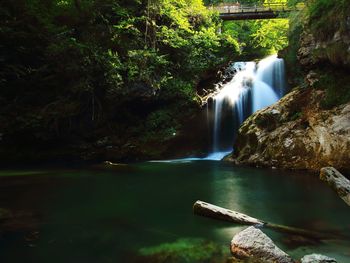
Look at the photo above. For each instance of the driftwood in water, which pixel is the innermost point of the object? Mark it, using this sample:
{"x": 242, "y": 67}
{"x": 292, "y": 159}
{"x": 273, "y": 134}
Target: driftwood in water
{"x": 337, "y": 181}
{"x": 213, "y": 211}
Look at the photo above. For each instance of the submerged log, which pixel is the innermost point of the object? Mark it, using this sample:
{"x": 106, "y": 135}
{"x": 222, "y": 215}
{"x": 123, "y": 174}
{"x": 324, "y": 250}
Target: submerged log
{"x": 216, "y": 212}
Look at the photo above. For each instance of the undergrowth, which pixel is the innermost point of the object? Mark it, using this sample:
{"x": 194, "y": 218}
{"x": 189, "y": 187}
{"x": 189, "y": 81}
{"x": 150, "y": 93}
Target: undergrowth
{"x": 327, "y": 17}
{"x": 336, "y": 83}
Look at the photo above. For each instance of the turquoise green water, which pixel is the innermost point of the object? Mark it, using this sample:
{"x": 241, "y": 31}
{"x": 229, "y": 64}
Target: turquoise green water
{"x": 132, "y": 212}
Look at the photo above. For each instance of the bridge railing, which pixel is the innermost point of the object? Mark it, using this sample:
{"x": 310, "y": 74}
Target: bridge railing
{"x": 236, "y": 8}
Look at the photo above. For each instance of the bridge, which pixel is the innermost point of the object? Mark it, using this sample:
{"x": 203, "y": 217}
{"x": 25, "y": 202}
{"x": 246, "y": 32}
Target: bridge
{"x": 270, "y": 10}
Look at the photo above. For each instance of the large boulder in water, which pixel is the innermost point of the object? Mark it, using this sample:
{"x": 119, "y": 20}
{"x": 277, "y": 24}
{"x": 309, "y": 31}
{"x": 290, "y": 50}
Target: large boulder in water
{"x": 253, "y": 245}
{"x": 337, "y": 181}
{"x": 317, "y": 258}
{"x": 296, "y": 133}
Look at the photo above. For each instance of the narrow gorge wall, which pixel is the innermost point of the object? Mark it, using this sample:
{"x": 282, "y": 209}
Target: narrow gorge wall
{"x": 310, "y": 127}
{"x": 295, "y": 133}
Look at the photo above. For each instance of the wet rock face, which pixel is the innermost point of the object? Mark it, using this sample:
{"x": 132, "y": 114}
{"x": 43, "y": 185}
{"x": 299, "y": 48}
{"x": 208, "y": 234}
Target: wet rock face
{"x": 335, "y": 51}
{"x": 296, "y": 134}
{"x": 307, "y": 43}
{"x": 317, "y": 258}
{"x": 253, "y": 245}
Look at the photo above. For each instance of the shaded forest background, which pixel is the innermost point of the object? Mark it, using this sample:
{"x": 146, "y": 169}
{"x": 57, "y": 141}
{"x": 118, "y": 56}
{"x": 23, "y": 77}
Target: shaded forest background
{"x": 104, "y": 79}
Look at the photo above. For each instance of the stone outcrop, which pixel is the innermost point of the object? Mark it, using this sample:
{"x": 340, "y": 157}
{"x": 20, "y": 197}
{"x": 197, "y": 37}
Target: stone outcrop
{"x": 334, "y": 51}
{"x": 329, "y": 46}
{"x": 296, "y": 133}
{"x": 253, "y": 245}
{"x": 306, "y": 50}
{"x": 337, "y": 181}
{"x": 317, "y": 258}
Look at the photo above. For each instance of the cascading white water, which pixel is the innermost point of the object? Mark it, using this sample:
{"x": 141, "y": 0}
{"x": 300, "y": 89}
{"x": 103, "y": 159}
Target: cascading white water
{"x": 233, "y": 97}
{"x": 253, "y": 87}
{"x": 269, "y": 84}
{"x": 263, "y": 95}
{"x": 271, "y": 71}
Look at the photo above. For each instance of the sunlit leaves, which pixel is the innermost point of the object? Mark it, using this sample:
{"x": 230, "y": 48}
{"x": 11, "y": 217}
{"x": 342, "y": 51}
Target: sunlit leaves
{"x": 259, "y": 36}
{"x": 271, "y": 34}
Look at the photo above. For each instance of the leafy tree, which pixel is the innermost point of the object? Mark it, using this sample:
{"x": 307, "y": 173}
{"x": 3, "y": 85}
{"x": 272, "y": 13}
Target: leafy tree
{"x": 72, "y": 69}
{"x": 258, "y": 38}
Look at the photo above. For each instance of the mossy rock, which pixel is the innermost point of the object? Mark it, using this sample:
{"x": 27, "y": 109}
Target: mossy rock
{"x": 269, "y": 120}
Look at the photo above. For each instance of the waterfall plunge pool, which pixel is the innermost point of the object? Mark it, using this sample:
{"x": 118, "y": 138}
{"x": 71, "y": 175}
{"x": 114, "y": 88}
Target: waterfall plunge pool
{"x": 143, "y": 212}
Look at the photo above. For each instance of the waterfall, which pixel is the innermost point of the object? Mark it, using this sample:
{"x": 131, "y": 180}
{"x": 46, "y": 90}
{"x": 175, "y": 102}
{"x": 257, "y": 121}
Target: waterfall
{"x": 231, "y": 105}
{"x": 254, "y": 86}
{"x": 263, "y": 95}
{"x": 271, "y": 71}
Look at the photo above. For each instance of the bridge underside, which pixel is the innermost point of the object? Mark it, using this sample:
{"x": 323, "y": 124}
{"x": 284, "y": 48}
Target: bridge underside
{"x": 253, "y": 15}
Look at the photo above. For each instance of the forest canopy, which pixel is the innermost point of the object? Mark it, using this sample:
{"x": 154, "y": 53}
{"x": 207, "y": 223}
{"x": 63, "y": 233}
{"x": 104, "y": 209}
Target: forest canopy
{"x": 73, "y": 67}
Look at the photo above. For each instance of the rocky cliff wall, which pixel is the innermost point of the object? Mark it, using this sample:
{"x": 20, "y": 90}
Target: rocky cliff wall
{"x": 310, "y": 127}
{"x": 296, "y": 133}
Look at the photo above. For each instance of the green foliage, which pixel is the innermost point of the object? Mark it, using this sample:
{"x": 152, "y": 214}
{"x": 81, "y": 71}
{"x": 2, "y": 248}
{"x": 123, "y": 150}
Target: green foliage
{"x": 290, "y": 53}
{"x": 185, "y": 250}
{"x": 192, "y": 40}
{"x": 336, "y": 53}
{"x": 161, "y": 126}
{"x": 293, "y": 3}
{"x": 71, "y": 69}
{"x": 178, "y": 90}
{"x": 146, "y": 66}
{"x": 327, "y": 17}
{"x": 322, "y": 18}
{"x": 271, "y": 35}
{"x": 258, "y": 38}
{"x": 337, "y": 87}
{"x": 158, "y": 119}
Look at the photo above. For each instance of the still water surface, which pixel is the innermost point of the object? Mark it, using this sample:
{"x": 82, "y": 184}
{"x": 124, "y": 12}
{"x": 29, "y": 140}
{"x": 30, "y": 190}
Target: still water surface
{"x": 110, "y": 215}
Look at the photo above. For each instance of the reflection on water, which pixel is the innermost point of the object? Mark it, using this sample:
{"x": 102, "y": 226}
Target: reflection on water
{"x": 216, "y": 156}
{"x": 99, "y": 215}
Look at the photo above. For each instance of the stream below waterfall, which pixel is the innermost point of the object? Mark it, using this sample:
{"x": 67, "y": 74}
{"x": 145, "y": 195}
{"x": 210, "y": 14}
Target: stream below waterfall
{"x": 142, "y": 212}
{"x": 139, "y": 212}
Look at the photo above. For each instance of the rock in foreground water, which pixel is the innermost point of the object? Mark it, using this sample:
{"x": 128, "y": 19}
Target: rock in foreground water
{"x": 253, "y": 245}
{"x": 337, "y": 181}
{"x": 317, "y": 258}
